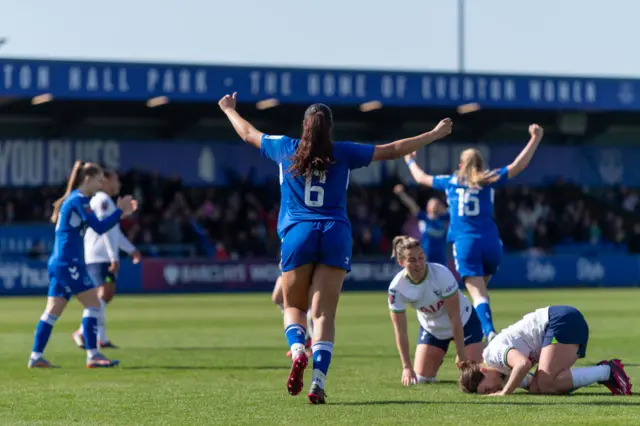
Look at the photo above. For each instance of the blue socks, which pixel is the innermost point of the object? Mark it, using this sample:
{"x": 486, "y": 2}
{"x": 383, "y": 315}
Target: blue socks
{"x": 322, "y": 352}
{"x": 296, "y": 336}
{"x": 90, "y": 329}
{"x": 484, "y": 314}
{"x": 42, "y": 335}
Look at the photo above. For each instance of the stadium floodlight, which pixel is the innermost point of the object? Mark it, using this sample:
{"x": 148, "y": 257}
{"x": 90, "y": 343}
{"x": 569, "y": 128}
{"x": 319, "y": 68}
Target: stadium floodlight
{"x": 370, "y": 106}
{"x": 157, "y": 101}
{"x": 267, "y": 103}
{"x": 41, "y": 99}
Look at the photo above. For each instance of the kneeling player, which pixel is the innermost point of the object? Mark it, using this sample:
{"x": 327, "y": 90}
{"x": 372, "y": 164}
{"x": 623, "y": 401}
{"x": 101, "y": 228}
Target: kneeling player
{"x": 277, "y": 298}
{"x": 444, "y": 314}
{"x": 554, "y": 337}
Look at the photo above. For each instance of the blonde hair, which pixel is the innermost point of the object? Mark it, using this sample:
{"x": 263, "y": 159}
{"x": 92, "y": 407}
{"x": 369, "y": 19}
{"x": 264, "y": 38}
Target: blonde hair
{"x": 473, "y": 171}
{"x": 79, "y": 171}
{"x": 471, "y": 376}
{"x": 402, "y": 243}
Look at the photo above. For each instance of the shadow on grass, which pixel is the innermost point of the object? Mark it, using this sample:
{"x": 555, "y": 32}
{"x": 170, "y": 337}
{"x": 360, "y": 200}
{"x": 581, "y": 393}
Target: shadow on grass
{"x": 207, "y": 367}
{"x": 496, "y": 401}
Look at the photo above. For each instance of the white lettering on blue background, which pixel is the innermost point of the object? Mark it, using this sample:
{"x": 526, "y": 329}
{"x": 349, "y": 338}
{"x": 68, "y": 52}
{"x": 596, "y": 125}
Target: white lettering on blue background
{"x": 36, "y": 163}
{"x": 94, "y": 79}
{"x": 563, "y": 91}
{"x": 496, "y": 89}
{"x": 26, "y": 77}
{"x": 171, "y": 81}
{"x": 332, "y": 85}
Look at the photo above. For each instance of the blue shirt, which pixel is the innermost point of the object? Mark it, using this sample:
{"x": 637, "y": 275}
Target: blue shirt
{"x": 74, "y": 217}
{"x": 318, "y": 198}
{"x": 434, "y": 234}
{"x": 471, "y": 210}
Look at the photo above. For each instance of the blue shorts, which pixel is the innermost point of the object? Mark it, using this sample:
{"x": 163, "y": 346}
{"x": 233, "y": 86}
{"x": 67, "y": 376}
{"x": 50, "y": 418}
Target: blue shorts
{"x": 100, "y": 274}
{"x": 69, "y": 280}
{"x": 326, "y": 242}
{"x": 568, "y": 326}
{"x": 472, "y": 334}
{"x": 476, "y": 257}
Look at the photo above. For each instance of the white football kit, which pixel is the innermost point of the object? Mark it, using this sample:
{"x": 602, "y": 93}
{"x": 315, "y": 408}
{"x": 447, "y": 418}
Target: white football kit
{"x": 526, "y": 336}
{"x": 427, "y": 297}
{"x": 104, "y": 248}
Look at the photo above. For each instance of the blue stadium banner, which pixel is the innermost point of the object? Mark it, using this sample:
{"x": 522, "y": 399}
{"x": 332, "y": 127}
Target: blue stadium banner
{"x": 32, "y": 163}
{"x": 207, "y": 83}
{"x": 19, "y": 239}
{"x": 30, "y": 277}
{"x": 22, "y": 277}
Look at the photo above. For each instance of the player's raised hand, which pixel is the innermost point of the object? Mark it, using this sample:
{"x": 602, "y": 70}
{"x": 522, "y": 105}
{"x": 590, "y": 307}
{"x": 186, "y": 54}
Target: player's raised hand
{"x": 398, "y": 189}
{"x": 127, "y": 204}
{"x": 536, "y": 131}
{"x": 410, "y": 157}
{"x": 228, "y": 102}
{"x": 444, "y": 128}
{"x": 409, "y": 377}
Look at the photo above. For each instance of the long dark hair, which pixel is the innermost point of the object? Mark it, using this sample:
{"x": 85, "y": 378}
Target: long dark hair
{"x": 315, "y": 152}
{"x": 78, "y": 173}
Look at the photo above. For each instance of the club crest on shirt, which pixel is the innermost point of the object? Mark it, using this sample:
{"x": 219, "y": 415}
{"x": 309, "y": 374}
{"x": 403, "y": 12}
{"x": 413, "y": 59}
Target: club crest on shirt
{"x": 105, "y": 205}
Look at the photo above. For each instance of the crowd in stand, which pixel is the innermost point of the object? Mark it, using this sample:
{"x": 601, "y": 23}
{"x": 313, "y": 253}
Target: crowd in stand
{"x": 240, "y": 220}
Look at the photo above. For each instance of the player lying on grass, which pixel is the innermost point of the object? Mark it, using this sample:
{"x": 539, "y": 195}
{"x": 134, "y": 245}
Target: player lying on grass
{"x": 554, "y": 337}
{"x": 444, "y": 314}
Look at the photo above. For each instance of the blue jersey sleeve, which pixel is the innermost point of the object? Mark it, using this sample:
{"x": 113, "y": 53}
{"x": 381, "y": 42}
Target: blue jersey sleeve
{"x": 83, "y": 208}
{"x": 356, "y": 155}
{"x": 422, "y": 215}
{"x": 440, "y": 182}
{"x": 503, "y": 177}
{"x": 273, "y": 147}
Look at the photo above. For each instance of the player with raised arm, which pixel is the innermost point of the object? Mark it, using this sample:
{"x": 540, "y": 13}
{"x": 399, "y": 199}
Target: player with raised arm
{"x": 314, "y": 229}
{"x": 444, "y": 314}
{"x": 102, "y": 255}
{"x": 67, "y": 270}
{"x": 554, "y": 338}
{"x": 477, "y": 248}
{"x": 432, "y": 223}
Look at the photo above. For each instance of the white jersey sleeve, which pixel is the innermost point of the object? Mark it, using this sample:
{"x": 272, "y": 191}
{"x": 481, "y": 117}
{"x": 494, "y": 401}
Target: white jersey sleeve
{"x": 124, "y": 243}
{"x": 102, "y": 248}
{"x": 446, "y": 286}
{"x": 397, "y": 301}
{"x": 495, "y": 354}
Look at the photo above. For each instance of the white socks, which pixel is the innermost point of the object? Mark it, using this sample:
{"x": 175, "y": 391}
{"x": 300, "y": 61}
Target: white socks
{"x": 102, "y": 320}
{"x": 585, "y": 376}
{"x": 526, "y": 382}
{"x": 422, "y": 379}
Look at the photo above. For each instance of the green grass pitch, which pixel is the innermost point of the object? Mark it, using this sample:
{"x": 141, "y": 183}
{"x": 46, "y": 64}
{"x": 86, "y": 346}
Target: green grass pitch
{"x": 220, "y": 359}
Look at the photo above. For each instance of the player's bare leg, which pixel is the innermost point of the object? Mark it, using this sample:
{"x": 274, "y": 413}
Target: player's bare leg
{"x": 427, "y": 362}
{"x": 477, "y": 288}
{"x": 295, "y": 290}
{"x": 326, "y": 286}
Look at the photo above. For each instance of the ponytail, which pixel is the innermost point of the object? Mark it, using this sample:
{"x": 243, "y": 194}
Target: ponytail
{"x": 315, "y": 152}
{"x": 72, "y": 183}
{"x": 79, "y": 171}
{"x": 472, "y": 170}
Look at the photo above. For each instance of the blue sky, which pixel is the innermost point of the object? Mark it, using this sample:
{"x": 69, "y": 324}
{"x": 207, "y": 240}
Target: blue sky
{"x": 575, "y": 37}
